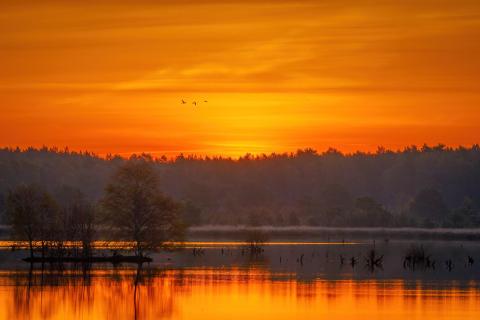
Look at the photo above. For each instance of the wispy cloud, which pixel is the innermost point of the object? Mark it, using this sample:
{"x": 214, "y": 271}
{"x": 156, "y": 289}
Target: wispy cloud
{"x": 281, "y": 73}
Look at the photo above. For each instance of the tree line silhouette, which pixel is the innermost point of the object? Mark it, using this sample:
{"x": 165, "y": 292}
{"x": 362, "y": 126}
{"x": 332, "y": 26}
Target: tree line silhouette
{"x": 428, "y": 186}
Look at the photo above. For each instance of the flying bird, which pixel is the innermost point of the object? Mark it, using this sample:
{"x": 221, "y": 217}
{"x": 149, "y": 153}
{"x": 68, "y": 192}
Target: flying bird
{"x": 195, "y": 103}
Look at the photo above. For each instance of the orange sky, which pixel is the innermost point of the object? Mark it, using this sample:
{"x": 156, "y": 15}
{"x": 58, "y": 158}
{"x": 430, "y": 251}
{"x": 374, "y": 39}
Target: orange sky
{"x": 278, "y": 75}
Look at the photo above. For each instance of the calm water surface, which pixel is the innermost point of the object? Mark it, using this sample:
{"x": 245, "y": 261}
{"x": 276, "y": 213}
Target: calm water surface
{"x": 229, "y": 285}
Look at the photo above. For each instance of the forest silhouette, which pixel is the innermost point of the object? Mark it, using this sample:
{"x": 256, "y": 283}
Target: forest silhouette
{"x": 428, "y": 186}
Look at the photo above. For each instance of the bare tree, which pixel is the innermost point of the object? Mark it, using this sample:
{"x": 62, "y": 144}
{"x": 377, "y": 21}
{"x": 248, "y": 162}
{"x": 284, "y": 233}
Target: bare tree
{"x": 85, "y": 220}
{"x": 79, "y": 222}
{"x": 136, "y": 210}
{"x": 31, "y": 213}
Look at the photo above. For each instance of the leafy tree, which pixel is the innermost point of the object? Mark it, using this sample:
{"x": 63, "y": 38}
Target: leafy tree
{"x": 428, "y": 206}
{"x": 254, "y": 219}
{"x": 293, "y": 219}
{"x": 136, "y": 210}
{"x": 191, "y": 214}
{"x": 336, "y": 196}
{"x": 279, "y": 220}
{"x": 370, "y": 213}
{"x": 465, "y": 216}
{"x": 2, "y": 208}
{"x": 333, "y": 216}
{"x": 336, "y": 202}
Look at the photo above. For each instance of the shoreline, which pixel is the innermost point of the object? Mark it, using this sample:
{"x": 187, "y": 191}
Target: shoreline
{"x": 333, "y": 234}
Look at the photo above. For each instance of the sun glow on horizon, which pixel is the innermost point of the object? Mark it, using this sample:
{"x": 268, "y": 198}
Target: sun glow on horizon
{"x": 278, "y": 76}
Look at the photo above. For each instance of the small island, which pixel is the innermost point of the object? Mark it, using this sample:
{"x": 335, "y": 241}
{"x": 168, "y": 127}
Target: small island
{"x": 132, "y": 210}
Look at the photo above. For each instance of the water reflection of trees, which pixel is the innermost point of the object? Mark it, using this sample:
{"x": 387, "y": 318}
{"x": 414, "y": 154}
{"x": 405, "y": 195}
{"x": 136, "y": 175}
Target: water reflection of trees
{"x": 150, "y": 293}
{"x": 115, "y": 293}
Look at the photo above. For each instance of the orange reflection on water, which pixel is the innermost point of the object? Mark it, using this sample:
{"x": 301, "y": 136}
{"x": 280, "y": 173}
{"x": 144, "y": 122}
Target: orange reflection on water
{"x": 9, "y": 244}
{"x": 227, "y": 294}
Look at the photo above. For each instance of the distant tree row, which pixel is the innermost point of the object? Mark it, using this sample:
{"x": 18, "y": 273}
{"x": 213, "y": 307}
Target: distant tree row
{"x": 427, "y": 186}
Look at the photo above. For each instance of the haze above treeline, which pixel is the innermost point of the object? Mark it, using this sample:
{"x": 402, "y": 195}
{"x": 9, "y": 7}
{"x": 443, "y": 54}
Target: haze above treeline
{"x": 428, "y": 186}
